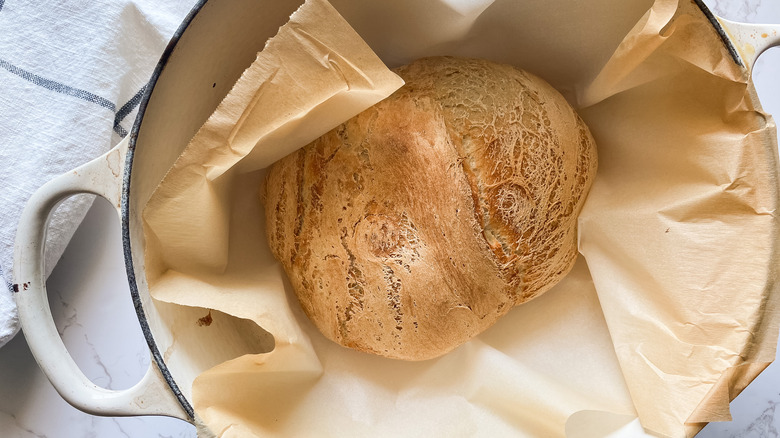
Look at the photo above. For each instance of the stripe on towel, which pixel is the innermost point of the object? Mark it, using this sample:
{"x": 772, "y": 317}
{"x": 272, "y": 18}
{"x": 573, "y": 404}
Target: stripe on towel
{"x": 59, "y": 87}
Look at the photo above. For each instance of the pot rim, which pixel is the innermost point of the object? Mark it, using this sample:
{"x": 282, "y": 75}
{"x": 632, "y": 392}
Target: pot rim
{"x": 125, "y": 192}
{"x": 127, "y": 249}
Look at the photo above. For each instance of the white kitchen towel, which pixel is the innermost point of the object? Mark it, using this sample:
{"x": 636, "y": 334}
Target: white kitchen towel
{"x": 72, "y": 73}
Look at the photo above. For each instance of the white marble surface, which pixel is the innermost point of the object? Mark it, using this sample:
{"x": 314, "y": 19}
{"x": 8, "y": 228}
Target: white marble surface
{"x": 92, "y": 309}
{"x": 90, "y": 301}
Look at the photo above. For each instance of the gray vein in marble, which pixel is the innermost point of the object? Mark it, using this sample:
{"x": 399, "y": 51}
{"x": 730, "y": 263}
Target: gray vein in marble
{"x": 119, "y": 426}
{"x": 92, "y": 428}
{"x": 99, "y": 362}
{"x": 69, "y": 316}
{"x": 31, "y": 432}
{"x": 763, "y": 426}
{"x": 736, "y": 10}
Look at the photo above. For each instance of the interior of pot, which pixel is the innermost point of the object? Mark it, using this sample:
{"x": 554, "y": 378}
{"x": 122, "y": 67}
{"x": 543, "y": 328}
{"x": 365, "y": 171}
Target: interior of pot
{"x": 221, "y": 42}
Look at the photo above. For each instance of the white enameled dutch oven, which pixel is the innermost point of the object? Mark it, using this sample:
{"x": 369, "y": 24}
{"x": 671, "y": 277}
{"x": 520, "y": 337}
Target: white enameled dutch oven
{"x": 213, "y": 46}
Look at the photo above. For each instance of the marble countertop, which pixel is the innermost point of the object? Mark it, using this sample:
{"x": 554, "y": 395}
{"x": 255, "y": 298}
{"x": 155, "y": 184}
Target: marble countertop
{"x": 106, "y": 341}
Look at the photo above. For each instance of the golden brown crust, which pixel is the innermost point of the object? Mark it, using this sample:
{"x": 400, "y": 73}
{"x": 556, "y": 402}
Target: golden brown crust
{"x": 414, "y": 226}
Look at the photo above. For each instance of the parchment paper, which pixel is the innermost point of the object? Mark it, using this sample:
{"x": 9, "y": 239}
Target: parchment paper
{"x": 669, "y": 314}
{"x": 688, "y": 206}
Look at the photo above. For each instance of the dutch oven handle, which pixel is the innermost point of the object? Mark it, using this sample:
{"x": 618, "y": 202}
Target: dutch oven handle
{"x": 150, "y": 396}
{"x": 751, "y": 40}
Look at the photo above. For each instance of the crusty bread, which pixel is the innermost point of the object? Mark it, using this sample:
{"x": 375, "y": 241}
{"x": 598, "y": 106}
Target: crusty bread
{"x": 414, "y": 226}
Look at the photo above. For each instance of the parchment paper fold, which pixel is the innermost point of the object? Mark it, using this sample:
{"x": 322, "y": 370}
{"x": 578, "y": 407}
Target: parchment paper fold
{"x": 669, "y": 314}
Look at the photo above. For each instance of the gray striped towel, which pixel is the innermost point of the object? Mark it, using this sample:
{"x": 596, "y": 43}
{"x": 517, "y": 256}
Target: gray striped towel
{"x": 72, "y": 73}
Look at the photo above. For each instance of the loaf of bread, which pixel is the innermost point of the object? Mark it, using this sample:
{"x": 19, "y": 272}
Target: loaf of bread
{"x": 414, "y": 226}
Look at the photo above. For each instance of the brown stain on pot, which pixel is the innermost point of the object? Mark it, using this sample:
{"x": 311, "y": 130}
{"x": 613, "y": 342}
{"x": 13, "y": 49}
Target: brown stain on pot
{"x": 113, "y": 162}
{"x": 15, "y": 287}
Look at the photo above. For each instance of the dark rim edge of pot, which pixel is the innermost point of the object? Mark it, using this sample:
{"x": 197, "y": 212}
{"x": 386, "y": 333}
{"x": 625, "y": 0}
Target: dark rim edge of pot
{"x": 125, "y": 209}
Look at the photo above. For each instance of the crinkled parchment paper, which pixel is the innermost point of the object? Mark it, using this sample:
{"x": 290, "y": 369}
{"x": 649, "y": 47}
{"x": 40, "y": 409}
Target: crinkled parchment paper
{"x": 669, "y": 314}
{"x": 680, "y": 230}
